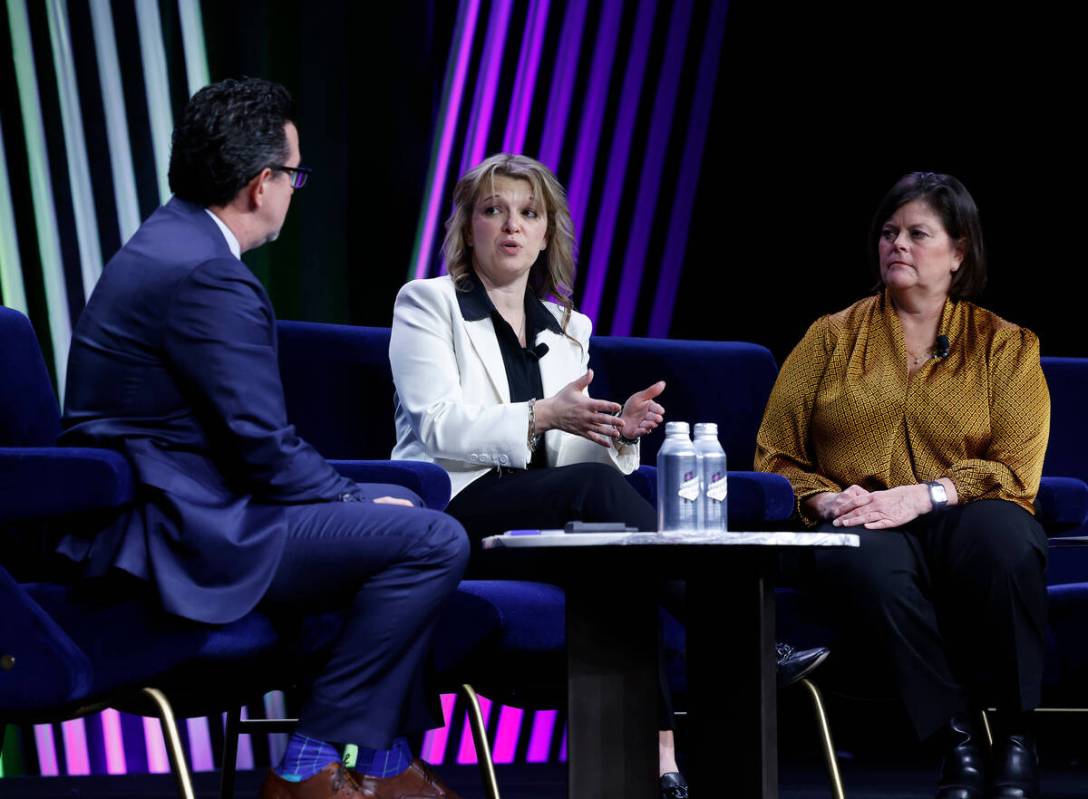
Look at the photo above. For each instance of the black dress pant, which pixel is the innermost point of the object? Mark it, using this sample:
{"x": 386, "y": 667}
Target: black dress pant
{"x": 546, "y": 499}
{"x": 391, "y": 568}
{"x": 953, "y": 605}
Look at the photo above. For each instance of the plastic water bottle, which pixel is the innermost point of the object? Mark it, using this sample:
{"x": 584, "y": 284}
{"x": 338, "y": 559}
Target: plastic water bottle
{"x": 714, "y": 497}
{"x": 678, "y": 481}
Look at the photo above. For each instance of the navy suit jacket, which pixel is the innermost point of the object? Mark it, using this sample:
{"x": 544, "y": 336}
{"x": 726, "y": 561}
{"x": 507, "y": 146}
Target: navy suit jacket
{"x": 173, "y": 363}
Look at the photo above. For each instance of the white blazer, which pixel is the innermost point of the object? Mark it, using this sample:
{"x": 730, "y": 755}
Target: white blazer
{"x": 452, "y": 397}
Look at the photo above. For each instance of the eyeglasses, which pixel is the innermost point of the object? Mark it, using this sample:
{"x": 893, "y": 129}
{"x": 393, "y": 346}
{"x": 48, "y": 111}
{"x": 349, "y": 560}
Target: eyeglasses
{"x": 299, "y": 174}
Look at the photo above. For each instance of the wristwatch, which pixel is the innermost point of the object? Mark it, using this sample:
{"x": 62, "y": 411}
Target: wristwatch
{"x": 937, "y": 494}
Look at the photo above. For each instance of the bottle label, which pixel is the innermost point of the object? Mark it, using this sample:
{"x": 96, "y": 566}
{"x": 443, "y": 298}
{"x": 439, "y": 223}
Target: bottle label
{"x": 689, "y": 487}
{"x": 717, "y": 489}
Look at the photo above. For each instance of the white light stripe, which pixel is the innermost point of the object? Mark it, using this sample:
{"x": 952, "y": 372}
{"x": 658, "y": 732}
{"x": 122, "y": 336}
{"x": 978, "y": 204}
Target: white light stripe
{"x": 75, "y": 148}
{"x": 113, "y": 104}
{"x": 192, "y": 41}
{"x": 41, "y": 190}
{"x": 11, "y": 267}
{"x": 157, "y": 84}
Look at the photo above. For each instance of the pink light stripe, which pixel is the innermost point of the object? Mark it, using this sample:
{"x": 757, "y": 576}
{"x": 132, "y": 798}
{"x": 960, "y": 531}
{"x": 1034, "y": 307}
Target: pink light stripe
{"x": 589, "y": 131}
{"x": 507, "y": 733}
{"x": 525, "y": 84}
{"x": 540, "y": 739}
{"x": 114, "y": 741}
{"x": 563, "y": 74}
{"x": 47, "y": 750}
{"x": 619, "y": 152}
{"x": 487, "y": 85}
{"x": 466, "y": 755}
{"x": 200, "y": 745}
{"x": 434, "y": 741}
{"x": 462, "y": 50}
{"x": 77, "y": 761}
{"x": 157, "y": 761}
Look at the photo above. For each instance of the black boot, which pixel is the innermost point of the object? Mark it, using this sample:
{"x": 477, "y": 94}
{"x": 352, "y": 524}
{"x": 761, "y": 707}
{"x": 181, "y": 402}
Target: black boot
{"x": 1014, "y": 764}
{"x": 962, "y": 772}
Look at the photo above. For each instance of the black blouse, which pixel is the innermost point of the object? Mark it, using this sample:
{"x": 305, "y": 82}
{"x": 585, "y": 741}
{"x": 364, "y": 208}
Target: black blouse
{"x": 522, "y": 363}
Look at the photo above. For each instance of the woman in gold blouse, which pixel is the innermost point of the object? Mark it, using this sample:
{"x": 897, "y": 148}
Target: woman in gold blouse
{"x": 919, "y": 421}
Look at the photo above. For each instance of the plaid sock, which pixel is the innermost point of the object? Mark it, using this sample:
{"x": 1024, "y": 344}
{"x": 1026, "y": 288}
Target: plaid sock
{"x": 384, "y": 762}
{"x": 304, "y": 757}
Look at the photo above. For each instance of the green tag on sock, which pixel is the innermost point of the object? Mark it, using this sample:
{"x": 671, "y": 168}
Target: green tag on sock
{"x": 351, "y": 753}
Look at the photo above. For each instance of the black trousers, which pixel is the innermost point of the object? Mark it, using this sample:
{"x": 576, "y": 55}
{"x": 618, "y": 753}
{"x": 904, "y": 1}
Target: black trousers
{"x": 546, "y": 499}
{"x": 953, "y": 605}
{"x": 391, "y": 568}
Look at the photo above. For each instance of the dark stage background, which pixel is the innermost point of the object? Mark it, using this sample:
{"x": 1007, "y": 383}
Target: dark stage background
{"x": 817, "y": 110}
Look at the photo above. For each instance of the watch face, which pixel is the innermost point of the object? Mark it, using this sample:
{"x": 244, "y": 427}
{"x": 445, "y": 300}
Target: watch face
{"x": 938, "y": 494}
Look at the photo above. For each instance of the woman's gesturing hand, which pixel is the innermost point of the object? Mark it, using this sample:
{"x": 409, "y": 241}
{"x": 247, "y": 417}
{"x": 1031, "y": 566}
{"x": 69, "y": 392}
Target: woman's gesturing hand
{"x": 574, "y": 412}
{"x": 641, "y": 414}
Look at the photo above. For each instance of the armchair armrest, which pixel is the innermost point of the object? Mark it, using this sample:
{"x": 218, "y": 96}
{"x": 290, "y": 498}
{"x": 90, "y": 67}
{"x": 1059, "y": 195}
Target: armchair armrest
{"x": 43, "y": 482}
{"x": 428, "y": 480}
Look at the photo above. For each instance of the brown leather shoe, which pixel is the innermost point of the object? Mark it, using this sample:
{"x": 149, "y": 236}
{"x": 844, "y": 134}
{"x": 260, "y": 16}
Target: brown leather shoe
{"x": 418, "y": 781}
{"x": 332, "y": 782}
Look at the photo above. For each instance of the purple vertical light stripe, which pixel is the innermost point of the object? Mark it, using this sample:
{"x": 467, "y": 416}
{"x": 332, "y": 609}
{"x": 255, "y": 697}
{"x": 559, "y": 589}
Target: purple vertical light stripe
{"x": 601, "y": 251}
{"x": 653, "y": 163}
{"x": 536, "y": 22}
{"x": 245, "y": 746}
{"x": 677, "y": 238}
{"x": 114, "y": 742}
{"x": 507, "y": 734}
{"x": 466, "y": 754}
{"x": 540, "y": 739}
{"x": 487, "y": 85}
{"x": 77, "y": 760}
{"x": 157, "y": 761}
{"x": 434, "y": 741}
{"x": 563, "y": 74}
{"x": 460, "y": 51}
{"x": 589, "y": 131}
{"x": 47, "y": 750}
{"x": 200, "y": 745}
{"x": 563, "y": 747}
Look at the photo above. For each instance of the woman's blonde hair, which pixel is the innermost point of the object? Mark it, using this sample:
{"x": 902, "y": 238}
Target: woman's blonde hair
{"x": 551, "y": 276}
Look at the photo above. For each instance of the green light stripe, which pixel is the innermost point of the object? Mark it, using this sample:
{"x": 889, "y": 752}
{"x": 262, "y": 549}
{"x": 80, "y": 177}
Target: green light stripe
{"x": 113, "y": 102}
{"x": 41, "y": 189}
{"x": 192, "y": 41}
{"x": 75, "y": 147}
{"x": 11, "y": 268}
{"x": 157, "y": 84}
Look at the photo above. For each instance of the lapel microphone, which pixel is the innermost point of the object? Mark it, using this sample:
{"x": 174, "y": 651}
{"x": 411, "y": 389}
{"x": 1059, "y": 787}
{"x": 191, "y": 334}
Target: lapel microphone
{"x": 941, "y": 350}
{"x": 539, "y": 351}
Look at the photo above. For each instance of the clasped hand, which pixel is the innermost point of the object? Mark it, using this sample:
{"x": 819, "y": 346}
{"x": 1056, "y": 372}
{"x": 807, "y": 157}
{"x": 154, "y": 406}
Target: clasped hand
{"x": 600, "y": 421}
{"x": 875, "y": 510}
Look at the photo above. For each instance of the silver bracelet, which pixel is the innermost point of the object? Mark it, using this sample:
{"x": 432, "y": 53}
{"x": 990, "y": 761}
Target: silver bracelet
{"x": 534, "y": 438}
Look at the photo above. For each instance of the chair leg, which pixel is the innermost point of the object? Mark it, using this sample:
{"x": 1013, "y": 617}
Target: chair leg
{"x": 173, "y": 742}
{"x": 230, "y": 753}
{"x": 986, "y": 728}
{"x": 483, "y": 749}
{"x": 825, "y": 734}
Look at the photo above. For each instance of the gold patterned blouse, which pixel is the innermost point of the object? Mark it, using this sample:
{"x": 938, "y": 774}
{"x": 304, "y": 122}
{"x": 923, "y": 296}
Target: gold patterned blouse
{"x": 844, "y": 409}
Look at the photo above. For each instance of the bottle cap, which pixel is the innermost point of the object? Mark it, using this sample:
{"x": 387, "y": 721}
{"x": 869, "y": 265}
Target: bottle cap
{"x": 677, "y": 428}
{"x": 706, "y": 429}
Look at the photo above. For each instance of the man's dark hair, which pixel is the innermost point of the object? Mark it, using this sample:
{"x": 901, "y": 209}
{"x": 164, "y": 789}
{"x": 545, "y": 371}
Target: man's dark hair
{"x": 228, "y": 133}
{"x": 951, "y": 201}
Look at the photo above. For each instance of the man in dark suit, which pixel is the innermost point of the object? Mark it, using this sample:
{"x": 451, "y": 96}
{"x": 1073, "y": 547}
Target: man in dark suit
{"x": 173, "y": 363}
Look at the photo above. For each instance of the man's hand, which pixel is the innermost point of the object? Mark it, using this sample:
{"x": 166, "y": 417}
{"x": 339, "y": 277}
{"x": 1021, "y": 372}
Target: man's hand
{"x": 891, "y": 508}
{"x": 393, "y": 501}
{"x": 830, "y": 505}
